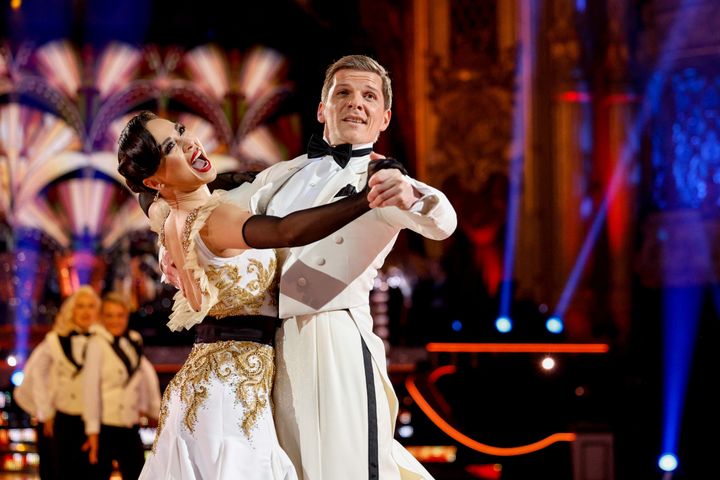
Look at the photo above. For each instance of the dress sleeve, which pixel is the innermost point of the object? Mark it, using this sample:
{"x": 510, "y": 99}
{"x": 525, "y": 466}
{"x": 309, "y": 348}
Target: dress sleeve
{"x": 304, "y": 226}
{"x": 183, "y": 314}
{"x": 310, "y": 225}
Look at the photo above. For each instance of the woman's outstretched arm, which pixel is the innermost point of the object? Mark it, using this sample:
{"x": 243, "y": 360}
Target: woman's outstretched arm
{"x": 296, "y": 229}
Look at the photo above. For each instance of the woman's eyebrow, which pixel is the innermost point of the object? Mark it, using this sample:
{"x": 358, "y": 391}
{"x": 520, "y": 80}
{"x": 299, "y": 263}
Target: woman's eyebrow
{"x": 177, "y": 126}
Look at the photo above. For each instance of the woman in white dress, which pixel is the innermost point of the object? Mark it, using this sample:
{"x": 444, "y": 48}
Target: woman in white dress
{"x": 216, "y": 419}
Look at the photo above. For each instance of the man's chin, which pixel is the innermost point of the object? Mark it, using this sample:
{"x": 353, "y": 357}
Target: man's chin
{"x": 354, "y": 139}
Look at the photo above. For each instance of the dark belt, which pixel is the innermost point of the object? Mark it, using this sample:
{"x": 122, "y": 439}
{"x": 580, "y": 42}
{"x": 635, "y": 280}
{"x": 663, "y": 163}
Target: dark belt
{"x": 243, "y": 328}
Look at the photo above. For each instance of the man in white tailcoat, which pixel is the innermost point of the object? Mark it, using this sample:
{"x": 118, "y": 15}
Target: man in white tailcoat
{"x": 335, "y": 407}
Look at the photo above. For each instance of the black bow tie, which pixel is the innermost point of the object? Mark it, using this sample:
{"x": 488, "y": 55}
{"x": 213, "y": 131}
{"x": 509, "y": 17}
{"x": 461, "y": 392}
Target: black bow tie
{"x": 75, "y": 333}
{"x": 341, "y": 153}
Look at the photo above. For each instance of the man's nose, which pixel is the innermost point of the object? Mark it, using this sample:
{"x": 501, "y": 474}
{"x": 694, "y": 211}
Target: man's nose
{"x": 355, "y": 100}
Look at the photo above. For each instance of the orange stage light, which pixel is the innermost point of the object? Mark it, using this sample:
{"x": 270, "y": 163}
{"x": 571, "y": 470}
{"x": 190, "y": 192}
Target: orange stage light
{"x": 463, "y": 439}
{"x": 517, "y": 347}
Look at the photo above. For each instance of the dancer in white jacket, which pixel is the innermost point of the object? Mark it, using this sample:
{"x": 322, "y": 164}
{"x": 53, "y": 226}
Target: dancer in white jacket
{"x": 120, "y": 388}
{"x": 335, "y": 407}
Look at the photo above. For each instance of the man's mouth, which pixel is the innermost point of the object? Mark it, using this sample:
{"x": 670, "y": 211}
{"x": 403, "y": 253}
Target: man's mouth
{"x": 200, "y": 163}
{"x": 359, "y": 121}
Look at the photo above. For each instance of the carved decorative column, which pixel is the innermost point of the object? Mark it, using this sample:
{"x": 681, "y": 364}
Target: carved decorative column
{"x": 569, "y": 161}
{"x": 529, "y": 265}
{"x": 464, "y": 64}
{"x": 616, "y": 115}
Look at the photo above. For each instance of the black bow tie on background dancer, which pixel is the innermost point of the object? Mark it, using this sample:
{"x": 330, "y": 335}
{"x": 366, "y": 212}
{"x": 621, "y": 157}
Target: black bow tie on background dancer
{"x": 76, "y": 333}
{"x": 341, "y": 153}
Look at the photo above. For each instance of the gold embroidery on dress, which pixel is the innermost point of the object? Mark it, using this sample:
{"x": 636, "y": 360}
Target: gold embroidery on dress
{"x": 233, "y": 298}
{"x": 247, "y": 366}
{"x": 164, "y": 405}
{"x": 162, "y": 230}
{"x": 189, "y": 220}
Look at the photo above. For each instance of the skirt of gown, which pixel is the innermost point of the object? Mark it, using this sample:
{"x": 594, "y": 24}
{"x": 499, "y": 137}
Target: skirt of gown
{"x": 216, "y": 419}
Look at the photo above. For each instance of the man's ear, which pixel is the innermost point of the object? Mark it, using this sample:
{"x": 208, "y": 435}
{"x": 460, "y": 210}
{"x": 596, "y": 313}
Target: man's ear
{"x": 321, "y": 113}
{"x": 386, "y": 120}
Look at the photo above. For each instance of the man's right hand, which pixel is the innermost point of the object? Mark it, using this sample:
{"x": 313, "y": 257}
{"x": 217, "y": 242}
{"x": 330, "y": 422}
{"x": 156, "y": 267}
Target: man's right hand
{"x": 48, "y": 427}
{"x": 91, "y": 446}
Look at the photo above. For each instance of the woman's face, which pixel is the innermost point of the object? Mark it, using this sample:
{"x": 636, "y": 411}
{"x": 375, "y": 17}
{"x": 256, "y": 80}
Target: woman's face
{"x": 184, "y": 166}
{"x": 85, "y": 312}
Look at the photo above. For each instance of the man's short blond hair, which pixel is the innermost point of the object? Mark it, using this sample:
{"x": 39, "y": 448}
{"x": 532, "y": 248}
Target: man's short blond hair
{"x": 117, "y": 298}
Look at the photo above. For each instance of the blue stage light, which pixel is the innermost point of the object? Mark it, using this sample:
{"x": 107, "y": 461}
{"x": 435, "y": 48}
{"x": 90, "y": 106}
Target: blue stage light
{"x": 554, "y": 324}
{"x": 668, "y": 462}
{"x": 17, "y": 377}
{"x": 406, "y": 431}
{"x": 503, "y": 324}
{"x": 457, "y": 325}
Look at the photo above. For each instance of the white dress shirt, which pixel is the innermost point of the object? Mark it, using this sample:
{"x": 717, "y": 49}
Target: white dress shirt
{"x": 112, "y": 397}
{"x": 303, "y": 190}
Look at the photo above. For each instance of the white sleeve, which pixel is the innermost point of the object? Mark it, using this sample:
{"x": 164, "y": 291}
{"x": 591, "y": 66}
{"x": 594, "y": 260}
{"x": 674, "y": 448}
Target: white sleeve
{"x": 151, "y": 389}
{"x": 432, "y": 216}
{"x": 92, "y": 395}
{"x": 42, "y": 385}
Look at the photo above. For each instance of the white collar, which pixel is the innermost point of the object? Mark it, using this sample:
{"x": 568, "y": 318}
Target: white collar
{"x": 356, "y": 146}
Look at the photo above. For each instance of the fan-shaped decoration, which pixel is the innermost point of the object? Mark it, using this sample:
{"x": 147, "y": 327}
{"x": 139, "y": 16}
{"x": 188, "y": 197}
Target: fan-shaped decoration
{"x": 208, "y": 67}
{"x": 59, "y": 64}
{"x": 29, "y": 141}
{"x": 117, "y": 66}
{"x": 58, "y": 166}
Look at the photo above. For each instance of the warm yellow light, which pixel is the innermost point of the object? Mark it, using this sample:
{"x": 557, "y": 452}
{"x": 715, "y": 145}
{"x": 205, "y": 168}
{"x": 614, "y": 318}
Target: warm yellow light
{"x": 15, "y": 4}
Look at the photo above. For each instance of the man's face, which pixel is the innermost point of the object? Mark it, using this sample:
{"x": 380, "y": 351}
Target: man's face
{"x": 354, "y": 111}
{"x": 114, "y": 318}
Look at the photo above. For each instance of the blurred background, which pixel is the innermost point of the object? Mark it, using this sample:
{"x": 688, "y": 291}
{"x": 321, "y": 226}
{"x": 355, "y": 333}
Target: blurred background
{"x": 565, "y": 331}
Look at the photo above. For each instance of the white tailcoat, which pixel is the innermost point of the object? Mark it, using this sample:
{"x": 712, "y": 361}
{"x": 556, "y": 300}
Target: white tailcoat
{"x": 319, "y": 394}
{"x": 110, "y": 396}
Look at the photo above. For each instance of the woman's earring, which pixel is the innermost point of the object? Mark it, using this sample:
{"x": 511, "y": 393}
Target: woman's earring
{"x": 157, "y": 195}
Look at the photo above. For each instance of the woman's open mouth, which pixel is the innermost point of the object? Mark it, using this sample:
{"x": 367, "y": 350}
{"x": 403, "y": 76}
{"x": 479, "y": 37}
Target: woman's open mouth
{"x": 200, "y": 163}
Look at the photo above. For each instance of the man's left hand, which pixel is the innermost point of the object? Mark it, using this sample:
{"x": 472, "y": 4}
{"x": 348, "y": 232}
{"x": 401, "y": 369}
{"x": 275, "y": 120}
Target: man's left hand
{"x": 390, "y": 188}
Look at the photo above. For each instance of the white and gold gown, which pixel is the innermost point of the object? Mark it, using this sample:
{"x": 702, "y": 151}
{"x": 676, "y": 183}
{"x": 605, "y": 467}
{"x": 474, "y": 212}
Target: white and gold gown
{"x": 216, "y": 420}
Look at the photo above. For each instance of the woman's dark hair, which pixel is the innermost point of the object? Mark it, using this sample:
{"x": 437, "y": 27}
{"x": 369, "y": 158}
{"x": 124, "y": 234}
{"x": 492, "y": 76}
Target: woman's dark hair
{"x": 139, "y": 154}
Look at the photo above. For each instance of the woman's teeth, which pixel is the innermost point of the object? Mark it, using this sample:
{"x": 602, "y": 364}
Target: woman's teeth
{"x": 200, "y": 163}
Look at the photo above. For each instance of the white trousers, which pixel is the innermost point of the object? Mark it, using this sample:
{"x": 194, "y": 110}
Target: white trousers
{"x": 326, "y": 422}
